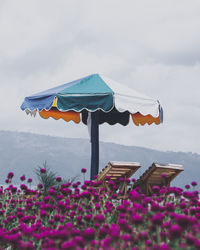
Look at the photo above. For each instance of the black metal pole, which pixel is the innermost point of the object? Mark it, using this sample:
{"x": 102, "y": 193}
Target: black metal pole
{"x": 94, "y": 144}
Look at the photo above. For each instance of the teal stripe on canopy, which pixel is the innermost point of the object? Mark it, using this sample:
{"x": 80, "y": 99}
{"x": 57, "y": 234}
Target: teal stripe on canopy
{"x": 90, "y": 93}
{"x": 93, "y": 84}
{"x": 90, "y": 102}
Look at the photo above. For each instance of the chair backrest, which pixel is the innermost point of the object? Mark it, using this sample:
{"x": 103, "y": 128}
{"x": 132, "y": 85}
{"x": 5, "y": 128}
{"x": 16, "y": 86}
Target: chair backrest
{"x": 158, "y": 175}
{"x": 118, "y": 169}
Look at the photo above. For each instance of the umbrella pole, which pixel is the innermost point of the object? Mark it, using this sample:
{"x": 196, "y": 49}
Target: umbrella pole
{"x": 94, "y": 144}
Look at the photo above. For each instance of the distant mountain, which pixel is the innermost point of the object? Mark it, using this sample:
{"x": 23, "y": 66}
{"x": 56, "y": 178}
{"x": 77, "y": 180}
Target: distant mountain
{"x": 23, "y": 152}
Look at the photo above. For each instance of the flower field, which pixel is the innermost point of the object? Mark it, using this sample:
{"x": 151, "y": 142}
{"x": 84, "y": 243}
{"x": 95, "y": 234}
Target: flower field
{"x": 88, "y": 216}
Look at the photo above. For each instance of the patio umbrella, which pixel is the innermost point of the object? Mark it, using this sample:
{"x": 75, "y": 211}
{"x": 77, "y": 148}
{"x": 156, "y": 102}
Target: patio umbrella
{"x": 93, "y": 100}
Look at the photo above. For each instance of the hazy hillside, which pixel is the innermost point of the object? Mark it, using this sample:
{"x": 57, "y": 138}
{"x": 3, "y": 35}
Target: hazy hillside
{"x": 23, "y": 152}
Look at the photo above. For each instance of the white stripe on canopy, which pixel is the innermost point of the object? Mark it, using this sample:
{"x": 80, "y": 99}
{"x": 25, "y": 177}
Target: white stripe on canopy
{"x": 127, "y": 99}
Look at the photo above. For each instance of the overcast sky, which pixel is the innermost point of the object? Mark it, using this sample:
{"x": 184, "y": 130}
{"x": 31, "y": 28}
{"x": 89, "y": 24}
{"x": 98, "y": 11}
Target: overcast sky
{"x": 152, "y": 46}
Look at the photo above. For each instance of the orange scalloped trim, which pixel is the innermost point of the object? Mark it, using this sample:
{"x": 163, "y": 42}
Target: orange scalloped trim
{"x": 143, "y": 119}
{"x": 56, "y": 114}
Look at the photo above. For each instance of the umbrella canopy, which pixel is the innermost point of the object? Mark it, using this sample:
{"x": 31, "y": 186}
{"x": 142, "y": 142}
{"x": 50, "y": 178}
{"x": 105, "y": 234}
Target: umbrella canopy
{"x": 95, "y": 99}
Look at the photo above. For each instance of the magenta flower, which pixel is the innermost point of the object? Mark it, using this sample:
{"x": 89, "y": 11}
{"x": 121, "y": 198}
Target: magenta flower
{"x": 23, "y": 187}
{"x": 26, "y": 245}
{"x": 194, "y": 183}
{"x": 183, "y": 221}
{"x": 175, "y": 232}
{"x": 40, "y": 186}
{"x": 71, "y": 244}
{"x": 43, "y": 170}
{"x": 164, "y": 176}
{"x": 83, "y": 170}
{"x": 148, "y": 243}
{"x": 114, "y": 232}
{"x": 75, "y": 185}
{"x": 164, "y": 246}
{"x": 170, "y": 207}
{"x": 58, "y": 179}
{"x": 157, "y": 219}
{"x": 29, "y": 180}
{"x": 155, "y": 207}
{"x": 124, "y": 225}
{"x": 107, "y": 178}
{"x": 79, "y": 241}
{"x": 190, "y": 239}
{"x": 88, "y": 217}
{"x": 100, "y": 218}
{"x": 22, "y": 178}
{"x": 134, "y": 195}
{"x": 126, "y": 237}
{"x": 197, "y": 243}
{"x": 187, "y": 186}
{"x": 7, "y": 181}
{"x": 137, "y": 219}
{"x": 143, "y": 235}
{"x": 156, "y": 189}
{"x": 89, "y": 234}
{"x": 10, "y": 175}
{"x": 43, "y": 214}
{"x": 182, "y": 205}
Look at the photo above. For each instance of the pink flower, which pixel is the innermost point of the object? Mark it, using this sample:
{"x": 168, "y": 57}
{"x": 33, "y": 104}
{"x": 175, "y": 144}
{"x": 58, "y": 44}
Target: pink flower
{"x": 26, "y": 245}
{"x": 157, "y": 219}
{"x": 89, "y": 234}
{"x": 29, "y": 180}
{"x": 134, "y": 195}
{"x": 137, "y": 219}
{"x": 107, "y": 178}
{"x": 23, "y": 187}
{"x": 164, "y": 246}
{"x": 58, "y": 179}
{"x": 187, "y": 186}
{"x": 88, "y": 217}
{"x": 190, "y": 239}
{"x": 156, "y": 189}
{"x": 114, "y": 232}
{"x": 43, "y": 170}
{"x": 75, "y": 185}
{"x": 40, "y": 186}
{"x": 170, "y": 207}
{"x": 7, "y": 181}
{"x": 183, "y": 220}
{"x": 10, "y": 175}
{"x": 175, "y": 232}
{"x": 197, "y": 244}
{"x": 194, "y": 183}
{"x": 83, "y": 170}
{"x": 71, "y": 244}
{"x": 79, "y": 240}
{"x": 126, "y": 237}
{"x": 22, "y": 178}
{"x": 99, "y": 218}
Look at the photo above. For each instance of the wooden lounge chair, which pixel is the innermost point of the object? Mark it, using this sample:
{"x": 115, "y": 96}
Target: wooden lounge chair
{"x": 157, "y": 175}
{"x": 117, "y": 170}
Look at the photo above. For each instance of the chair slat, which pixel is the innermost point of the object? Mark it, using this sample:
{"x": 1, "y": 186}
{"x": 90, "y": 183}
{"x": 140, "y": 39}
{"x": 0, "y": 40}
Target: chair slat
{"x": 153, "y": 176}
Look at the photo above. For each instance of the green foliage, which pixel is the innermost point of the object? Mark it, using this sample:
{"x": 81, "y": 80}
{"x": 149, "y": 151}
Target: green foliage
{"x": 48, "y": 179}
